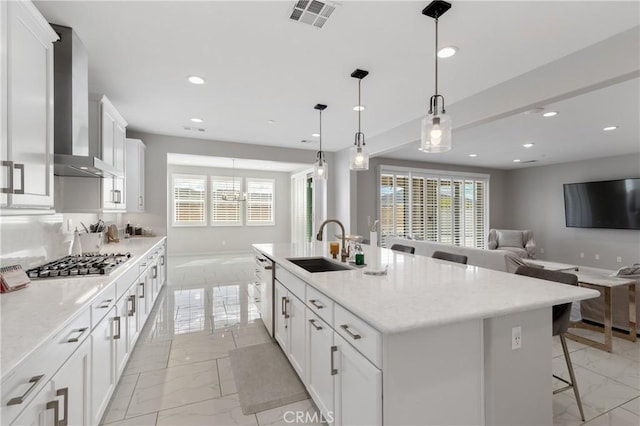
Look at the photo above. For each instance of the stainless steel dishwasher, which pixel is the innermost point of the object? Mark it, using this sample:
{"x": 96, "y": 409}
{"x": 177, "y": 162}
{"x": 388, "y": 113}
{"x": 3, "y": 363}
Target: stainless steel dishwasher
{"x": 263, "y": 289}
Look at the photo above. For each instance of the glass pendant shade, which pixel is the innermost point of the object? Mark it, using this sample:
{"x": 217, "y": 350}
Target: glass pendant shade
{"x": 320, "y": 169}
{"x": 359, "y": 159}
{"x": 436, "y": 133}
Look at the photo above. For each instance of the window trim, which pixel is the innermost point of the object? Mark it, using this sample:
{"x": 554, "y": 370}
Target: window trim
{"x": 173, "y": 200}
{"x": 240, "y": 215}
{"x": 273, "y": 202}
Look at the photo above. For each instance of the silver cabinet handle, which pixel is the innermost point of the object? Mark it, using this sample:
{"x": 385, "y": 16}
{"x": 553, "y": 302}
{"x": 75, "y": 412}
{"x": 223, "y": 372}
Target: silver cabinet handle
{"x": 354, "y": 336}
{"x": 54, "y": 405}
{"x": 116, "y": 335}
{"x": 334, "y": 370}
{"x": 315, "y": 324}
{"x": 154, "y": 272}
{"x": 283, "y": 306}
{"x": 162, "y": 260}
{"x": 20, "y": 399}
{"x": 316, "y": 304}
{"x": 105, "y": 304}
{"x": 132, "y": 311}
{"x": 64, "y": 392}
{"x": 117, "y": 196}
{"x": 80, "y": 332}
{"x": 8, "y": 189}
{"x": 286, "y": 310}
{"x": 141, "y": 286}
{"x": 21, "y": 168}
{"x": 140, "y": 201}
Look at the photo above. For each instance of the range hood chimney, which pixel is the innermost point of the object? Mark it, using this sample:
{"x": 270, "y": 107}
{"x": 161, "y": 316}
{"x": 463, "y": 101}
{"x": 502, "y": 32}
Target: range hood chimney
{"x": 73, "y": 154}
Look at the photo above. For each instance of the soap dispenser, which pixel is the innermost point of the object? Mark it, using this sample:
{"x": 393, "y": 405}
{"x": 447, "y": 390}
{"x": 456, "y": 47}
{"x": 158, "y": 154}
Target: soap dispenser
{"x": 76, "y": 247}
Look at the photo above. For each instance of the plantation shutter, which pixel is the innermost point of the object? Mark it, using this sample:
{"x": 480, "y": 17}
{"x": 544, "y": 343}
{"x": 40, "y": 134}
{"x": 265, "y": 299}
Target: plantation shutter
{"x": 225, "y": 212}
{"x": 386, "y": 207}
{"x": 445, "y": 211}
{"x": 189, "y": 194}
{"x": 417, "y": 208}
{"x": 260, "y": 201}
{"x": 402, "y": 206}
{"x": 480, "y": 202}
{"x": 432, "y": 210}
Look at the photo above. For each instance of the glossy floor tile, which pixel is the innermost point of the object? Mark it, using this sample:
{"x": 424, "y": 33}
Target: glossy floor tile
{"x": 180, "y": 373}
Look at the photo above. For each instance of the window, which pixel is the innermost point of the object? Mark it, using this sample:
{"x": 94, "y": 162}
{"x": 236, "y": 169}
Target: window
{"x": 189, "y": 200}
{"x": 260, "y": 199}
{"x": 225, "y": 212}
{"x": 437, "y": 206}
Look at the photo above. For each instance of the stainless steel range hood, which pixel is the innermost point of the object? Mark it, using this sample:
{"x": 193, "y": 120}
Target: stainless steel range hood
{"x": 74, "y": 156}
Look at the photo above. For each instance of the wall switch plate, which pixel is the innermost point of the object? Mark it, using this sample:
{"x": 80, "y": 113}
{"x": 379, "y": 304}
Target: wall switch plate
{"x": 597, "y": 257}
{"x": 619, "y": 259}
{"x": 69, "y": 225}
{"x": 581, "y": 255}
{"x": 541, "y": 250}
{"x": 516, "y": 338}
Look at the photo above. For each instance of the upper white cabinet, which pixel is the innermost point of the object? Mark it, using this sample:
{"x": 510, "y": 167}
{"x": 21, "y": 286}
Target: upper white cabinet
{"x": 134, "y": 153}
{"x": 26, "y": 129}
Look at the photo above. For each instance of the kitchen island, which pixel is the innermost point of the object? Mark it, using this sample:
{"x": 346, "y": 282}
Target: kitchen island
{"x": 428, "y": 343}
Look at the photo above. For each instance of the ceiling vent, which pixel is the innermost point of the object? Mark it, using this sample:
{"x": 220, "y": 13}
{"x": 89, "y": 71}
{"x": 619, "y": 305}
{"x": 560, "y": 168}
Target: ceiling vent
{"x": 528, "y": 161}
{"x": 312, "y": 12}
{"x": 306, "y": 141}
{"x": 194, "y": 129}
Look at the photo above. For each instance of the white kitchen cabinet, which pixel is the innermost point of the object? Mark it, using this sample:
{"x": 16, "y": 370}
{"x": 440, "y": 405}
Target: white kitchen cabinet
{"x": 121, "y": 335}
{"x": 143, "y": 308}
{"x": 291, "y": 329}
{"x": 321, "y": 371}
{"x": 135, "y": 156}
{"x": 103, "y": 375}
{"x": 281, "y": 332}
{"x": 133, "y": 327}
{"x": 26, "y": 83}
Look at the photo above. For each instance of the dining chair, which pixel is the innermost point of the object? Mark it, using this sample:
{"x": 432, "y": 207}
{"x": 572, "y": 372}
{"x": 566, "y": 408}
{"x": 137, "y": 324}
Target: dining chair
{"x": 561, "y": 314}
{"x": 403, "y": 248}
{"x": 451, "y": 257}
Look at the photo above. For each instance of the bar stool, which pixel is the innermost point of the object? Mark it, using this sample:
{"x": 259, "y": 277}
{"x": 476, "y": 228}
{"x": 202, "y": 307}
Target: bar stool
{"x": 402, "y": 248}
{"x": 451, "y": 257}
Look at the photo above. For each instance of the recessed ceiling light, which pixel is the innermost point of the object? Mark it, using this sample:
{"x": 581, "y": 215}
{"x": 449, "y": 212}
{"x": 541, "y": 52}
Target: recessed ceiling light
{"x": 315, "y": 135}
{"x": 528, "y": 145}
{"x": 195, "y": 79}
{"x": 550, "y": 114}
{"x": 473, "y": 155}
{"x": 83, "y": 168}
{"x": 197, "y": 120}
{"x": 610, "y": 128}
{"x": 516, "y": 160}
{"x": 359, "y": 107}
{"x": 447, "y": 52}
{"x": 271, "y": 121}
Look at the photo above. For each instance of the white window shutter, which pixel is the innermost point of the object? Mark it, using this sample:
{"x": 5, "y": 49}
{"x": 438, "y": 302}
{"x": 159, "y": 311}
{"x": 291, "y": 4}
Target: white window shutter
{"x": 189, "y": 194}
{"x": 260, "y": 201}
{"x": 225, "y": 211}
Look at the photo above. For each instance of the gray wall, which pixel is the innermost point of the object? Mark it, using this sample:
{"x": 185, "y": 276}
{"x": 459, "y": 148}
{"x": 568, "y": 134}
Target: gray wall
{"x": 368, "y": 187}
{"x": 212, "y": 239}
{"x": 535, "y": 201}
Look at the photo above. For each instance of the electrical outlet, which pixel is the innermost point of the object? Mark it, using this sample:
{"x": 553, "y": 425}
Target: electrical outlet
{"x": 597, "y": 256}
{"x": 516, "y": 338}
{"x": 224, "y": 242}
{"x": 581, "y": 255}
{"x": 619, "y": 259}
{"x": 541, "y": 250}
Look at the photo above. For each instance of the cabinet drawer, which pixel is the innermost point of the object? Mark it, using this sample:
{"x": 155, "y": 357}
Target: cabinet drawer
{"x": 293, "y": 283}
{"x": 359, "y": 334}
{"x": 21, "y": 386}
{"x": 319, "y": 304}
{"x": 126, "y": 281}
{"x": 100, "y": 307}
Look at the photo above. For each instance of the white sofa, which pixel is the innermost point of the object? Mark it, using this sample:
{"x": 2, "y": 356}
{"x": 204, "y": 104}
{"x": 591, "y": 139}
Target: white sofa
{"x": 499, "y": 260}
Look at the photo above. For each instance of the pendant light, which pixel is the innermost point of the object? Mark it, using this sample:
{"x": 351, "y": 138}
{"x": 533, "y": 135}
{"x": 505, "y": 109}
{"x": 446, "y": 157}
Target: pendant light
{"x": 320, "y": 166}
{"x": 359, "y": 158}
{"x": 436, "y": 126}
{"x": 234, "y": 195}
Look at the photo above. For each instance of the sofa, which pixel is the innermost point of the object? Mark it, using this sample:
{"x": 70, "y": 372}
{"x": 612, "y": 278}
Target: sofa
{"x": 499, "y": 260}
{"x": 518, "y": 242}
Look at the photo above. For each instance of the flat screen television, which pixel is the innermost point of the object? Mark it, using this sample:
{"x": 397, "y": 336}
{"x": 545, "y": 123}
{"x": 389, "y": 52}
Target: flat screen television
{"x": 613, "y": 204}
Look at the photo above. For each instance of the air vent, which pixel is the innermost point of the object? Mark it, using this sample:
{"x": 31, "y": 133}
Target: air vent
{"x": 312, "y": 12}
{"x": 528, "y": 161}
{"x": 193, "y": 129}
{"x": 306, "y": 141}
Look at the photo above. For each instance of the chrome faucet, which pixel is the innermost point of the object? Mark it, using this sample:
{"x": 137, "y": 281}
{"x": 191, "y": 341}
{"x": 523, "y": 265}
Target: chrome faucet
{"x": 344, "y": 254}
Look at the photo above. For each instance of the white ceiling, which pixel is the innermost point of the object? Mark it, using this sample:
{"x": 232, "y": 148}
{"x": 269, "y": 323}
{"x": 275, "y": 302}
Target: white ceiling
{"x": 261, "y": 66}
{"x": 229, "y": 163}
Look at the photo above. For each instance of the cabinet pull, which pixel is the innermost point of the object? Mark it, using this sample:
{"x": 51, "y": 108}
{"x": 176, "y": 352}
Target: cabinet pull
{"x": 162, "y": 260}
{"x": 132, "y": 299}
{"x": 105, "y": 304}
{"x": 117, "y": 199}
{"x": 140, "y": 201}
{"x": 315, "y": 325}
{"x": 334, "y": 370}
{"x": 21, "y": 168}
{"x": 80, "y": 332}
{"x": 316, "y": 304}
{"x": 141, "y": 286}
{"x": 20, "y": 399}
{"x": 54, "y": 405}
{"x": 154, "y": 272}
{"x": 354, "y": 336}
{"x": 116, "y": 335}
{"x": 283, "y": 307}
{"x": 286, "y": 309}
{"x": 64, "y": 392}
{"x": 8, "y": 189}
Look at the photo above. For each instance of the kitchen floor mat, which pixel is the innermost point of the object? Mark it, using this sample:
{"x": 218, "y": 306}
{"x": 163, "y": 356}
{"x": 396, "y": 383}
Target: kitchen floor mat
{"x": 264, "y": 378}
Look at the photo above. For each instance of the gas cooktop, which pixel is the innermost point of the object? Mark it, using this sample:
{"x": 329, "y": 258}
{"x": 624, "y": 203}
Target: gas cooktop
{"x": 87, "y": 264}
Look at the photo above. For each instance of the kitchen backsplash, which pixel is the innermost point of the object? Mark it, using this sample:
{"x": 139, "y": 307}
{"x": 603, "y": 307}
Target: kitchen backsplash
{"x": 36, "y": 239}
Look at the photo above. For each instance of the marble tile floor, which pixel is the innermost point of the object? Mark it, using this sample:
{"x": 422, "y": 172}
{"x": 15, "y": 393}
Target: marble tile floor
{"x": 180, "y": 374}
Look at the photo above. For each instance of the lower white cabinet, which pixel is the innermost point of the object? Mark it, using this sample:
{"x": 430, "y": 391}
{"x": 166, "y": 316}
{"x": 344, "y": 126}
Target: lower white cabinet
{"x": 121, "y": 335}
{"x": 281, "y": 332}
{"x": 320, "y": 352}
{"x": 291, "y": 329}
{"x": 102, "y": 365}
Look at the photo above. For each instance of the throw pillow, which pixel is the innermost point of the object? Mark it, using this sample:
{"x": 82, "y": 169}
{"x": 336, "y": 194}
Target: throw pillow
{"x": 510, "y": 239}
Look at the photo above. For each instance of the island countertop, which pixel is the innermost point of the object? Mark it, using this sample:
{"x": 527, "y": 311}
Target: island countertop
{"x": 419, "y": 291}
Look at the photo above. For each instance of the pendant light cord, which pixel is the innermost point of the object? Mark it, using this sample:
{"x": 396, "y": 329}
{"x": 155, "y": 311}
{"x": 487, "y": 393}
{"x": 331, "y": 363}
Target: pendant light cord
{"x": 320, "y": 154}
{"x": 359, "y": 103}
{"x": 436, "y": 56}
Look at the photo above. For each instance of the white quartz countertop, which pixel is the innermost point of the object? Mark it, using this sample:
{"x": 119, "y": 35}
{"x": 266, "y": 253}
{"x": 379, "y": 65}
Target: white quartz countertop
{"x": 31, "y": 316}
{"x": 422, "y": 292}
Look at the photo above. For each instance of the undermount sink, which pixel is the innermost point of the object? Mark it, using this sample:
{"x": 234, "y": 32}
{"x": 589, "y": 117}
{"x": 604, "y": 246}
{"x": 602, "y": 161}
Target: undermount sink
{"x": 318, "y": 264}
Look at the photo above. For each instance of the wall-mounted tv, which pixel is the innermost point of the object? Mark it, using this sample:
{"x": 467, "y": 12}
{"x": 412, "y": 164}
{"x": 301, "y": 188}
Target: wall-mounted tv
{"x": 611, "y": 204}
